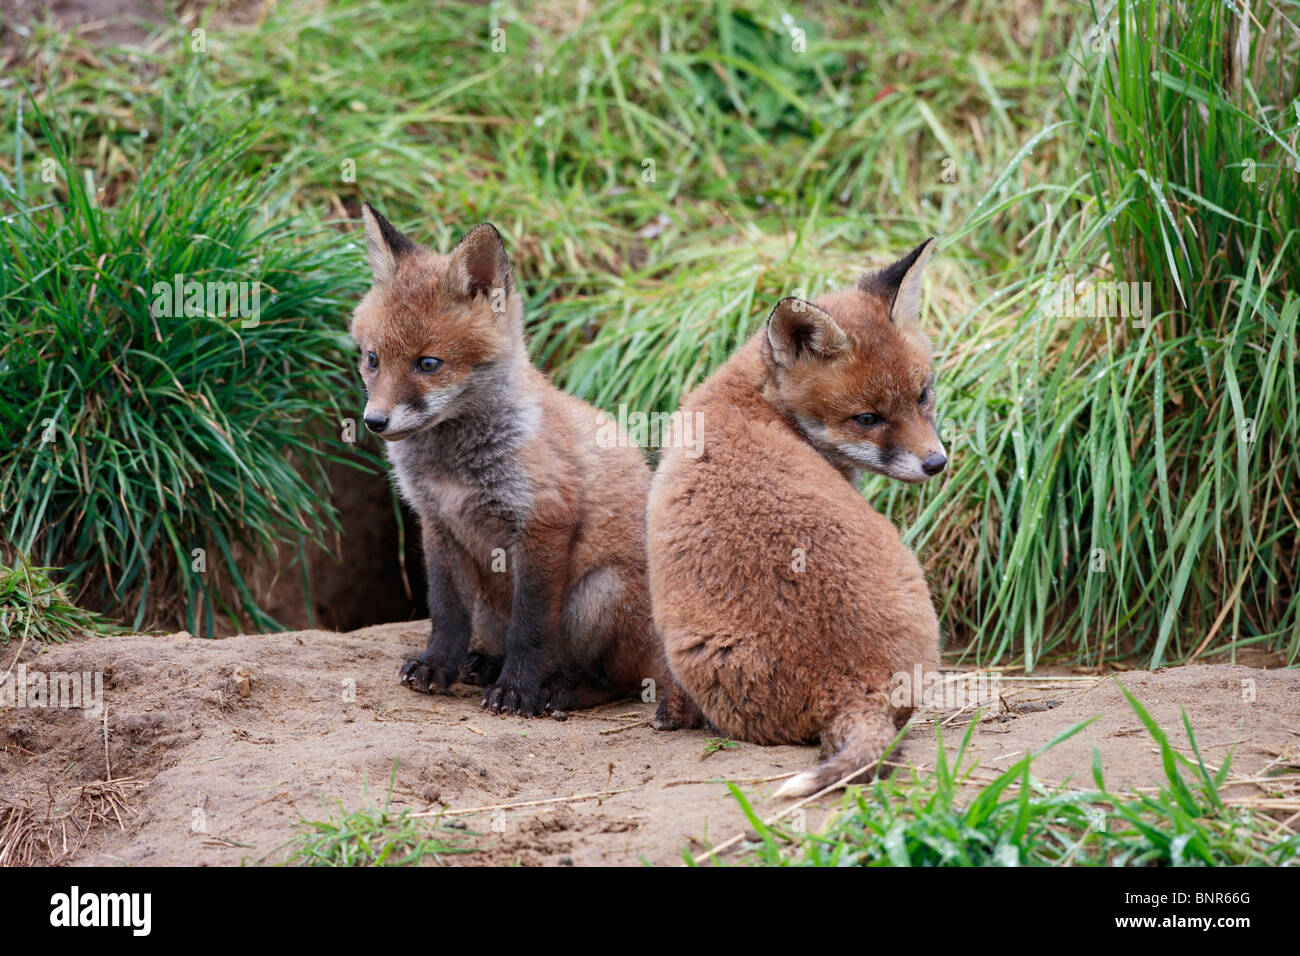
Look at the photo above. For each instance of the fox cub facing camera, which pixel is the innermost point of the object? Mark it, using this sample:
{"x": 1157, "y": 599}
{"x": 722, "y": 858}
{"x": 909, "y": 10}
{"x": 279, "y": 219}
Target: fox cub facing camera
{"x": 534, "y": 534}
{"x": 785, "y": 602}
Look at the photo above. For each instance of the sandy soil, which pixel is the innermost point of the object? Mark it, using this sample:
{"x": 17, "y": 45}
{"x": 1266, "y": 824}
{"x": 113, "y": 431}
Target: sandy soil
{"x": 217, "y": 778}
{"x": 106, "y": 21}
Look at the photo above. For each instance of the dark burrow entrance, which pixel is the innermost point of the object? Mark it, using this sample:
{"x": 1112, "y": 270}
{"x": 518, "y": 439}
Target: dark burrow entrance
{"x": 372, "y": 571}
{"x": 377, "y": 573}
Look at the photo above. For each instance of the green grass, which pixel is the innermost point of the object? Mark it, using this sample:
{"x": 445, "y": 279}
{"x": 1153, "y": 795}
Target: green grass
{"x": 33, "y": 607}
{"x": 146, "y": 447}
{"x": 375, "y": 836}
{"x": 946, "y": 817}
{"x": 713, "y": 745}
{"x": 1133, "y": 487}
{"x": 1101, "y": 504}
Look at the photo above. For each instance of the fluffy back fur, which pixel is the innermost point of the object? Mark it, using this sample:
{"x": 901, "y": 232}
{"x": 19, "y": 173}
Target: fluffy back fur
{"x": 785, "y": 602}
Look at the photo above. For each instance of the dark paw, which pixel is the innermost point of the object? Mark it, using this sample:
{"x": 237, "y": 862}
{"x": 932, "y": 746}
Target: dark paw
{"x": 426, "y": 678}
{"x": 677, "y": 711}
{"x": 556, "y": 698}
{"x": 481, "y": 670}
{"x": 510, "y": 698}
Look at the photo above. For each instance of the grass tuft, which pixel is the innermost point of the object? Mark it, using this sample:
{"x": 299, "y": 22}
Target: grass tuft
{"x": 954, "y": 816}
{"x": 148, "y": 448}
{"x": 376, "y": 836}
{"x": 33, "y": 607}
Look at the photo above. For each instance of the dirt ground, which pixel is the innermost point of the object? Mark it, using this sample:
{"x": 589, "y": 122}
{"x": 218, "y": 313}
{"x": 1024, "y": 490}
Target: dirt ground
{"x": 118, "y": 22}
{"x": 213, "y": 777}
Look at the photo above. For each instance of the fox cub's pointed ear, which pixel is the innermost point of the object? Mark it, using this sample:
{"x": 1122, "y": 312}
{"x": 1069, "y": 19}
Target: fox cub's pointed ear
{"x": 796, "y": 329}
{"x": 479, "y": 264}
{"x": 901, "y": 282}
{"x": 384, "y": 244}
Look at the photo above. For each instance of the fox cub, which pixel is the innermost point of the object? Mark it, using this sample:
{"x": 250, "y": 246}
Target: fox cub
{"x": 785, "y": 602}
{"x": 534, "y": 534}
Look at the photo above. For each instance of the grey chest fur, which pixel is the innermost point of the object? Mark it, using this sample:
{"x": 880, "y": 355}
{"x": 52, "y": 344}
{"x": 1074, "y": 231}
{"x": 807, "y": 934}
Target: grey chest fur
{"x": 465, "y": 477}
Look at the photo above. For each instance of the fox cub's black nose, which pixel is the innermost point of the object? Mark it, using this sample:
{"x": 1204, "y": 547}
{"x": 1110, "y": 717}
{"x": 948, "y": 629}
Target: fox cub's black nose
{"x": 932, "y": 465}
{"x": 377, "y": 423}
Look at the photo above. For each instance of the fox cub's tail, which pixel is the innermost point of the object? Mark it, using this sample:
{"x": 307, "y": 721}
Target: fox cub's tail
{"x": 855, "y": 741}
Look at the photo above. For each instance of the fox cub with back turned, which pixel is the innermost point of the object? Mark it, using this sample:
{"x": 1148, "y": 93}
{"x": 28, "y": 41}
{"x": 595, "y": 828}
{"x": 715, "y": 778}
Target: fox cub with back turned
{"x": 534, "y": 534}
{"x": 785, "y": 602}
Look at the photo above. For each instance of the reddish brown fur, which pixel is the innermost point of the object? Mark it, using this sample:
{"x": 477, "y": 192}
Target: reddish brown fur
{"x": 568, "y": 512}
{"x": 772, "y": 654}
{"x": 395, "y": 320}
{"x": 884, "y": 370}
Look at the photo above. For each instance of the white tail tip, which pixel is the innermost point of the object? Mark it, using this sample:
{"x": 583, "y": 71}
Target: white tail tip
{"x": 800, "y": 785}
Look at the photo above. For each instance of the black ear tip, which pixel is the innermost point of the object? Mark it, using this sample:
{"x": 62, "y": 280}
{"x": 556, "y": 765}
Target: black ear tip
{"x": 396, "y": 240}
{"x": 888, "y": 279}
{"x": 925, "y": 246}
{"x": 378, "y": 216}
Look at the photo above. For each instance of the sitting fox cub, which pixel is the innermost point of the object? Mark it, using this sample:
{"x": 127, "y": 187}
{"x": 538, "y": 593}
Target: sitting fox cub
{"x": 785, "y": 602}
{"x": 534, "y": 535}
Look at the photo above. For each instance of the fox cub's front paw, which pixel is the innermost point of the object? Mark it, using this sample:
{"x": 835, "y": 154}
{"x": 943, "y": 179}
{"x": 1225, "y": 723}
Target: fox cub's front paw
{"x": 425, "y": 677}
{"x": 481, "y": 670}
{"x": 511, "y": 697}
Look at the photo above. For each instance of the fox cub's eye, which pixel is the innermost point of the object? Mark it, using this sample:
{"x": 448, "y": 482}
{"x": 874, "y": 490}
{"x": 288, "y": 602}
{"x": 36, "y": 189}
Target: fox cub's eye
{"x": 867, "y": 419}
{"x": 372, "y": 360}
{"x": 925, "y": 397}
{"x": 428, "y": 364}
